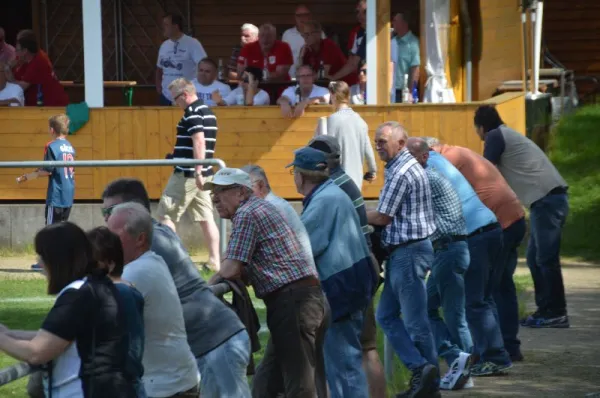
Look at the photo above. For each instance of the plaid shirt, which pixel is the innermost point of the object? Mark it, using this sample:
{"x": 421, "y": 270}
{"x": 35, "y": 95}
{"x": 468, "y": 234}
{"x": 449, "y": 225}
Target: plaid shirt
{"x": 406, "y": 197}
{"x": 264, "y": 241}
{"x": 449, "y": 219}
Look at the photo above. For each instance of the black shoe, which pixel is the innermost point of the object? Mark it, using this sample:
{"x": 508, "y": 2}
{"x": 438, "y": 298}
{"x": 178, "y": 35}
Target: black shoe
{"x": 516, "y": 357}
{"x": 423, "y": 383}
{"x": 551, "y": 321}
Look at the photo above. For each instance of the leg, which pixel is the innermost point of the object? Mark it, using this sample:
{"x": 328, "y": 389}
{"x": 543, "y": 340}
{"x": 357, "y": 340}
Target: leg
{"x": 441, "y": 336}
{"x": 268, "y": 380}
{"x": 175, "y": 199}
{"x": 371, "y": 362}
{"x": 534, "y": 269}
{"x": 202, "y": 212}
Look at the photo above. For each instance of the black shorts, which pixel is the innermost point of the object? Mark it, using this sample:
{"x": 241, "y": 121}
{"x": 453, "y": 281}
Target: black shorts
{"x": 57, "y": 214}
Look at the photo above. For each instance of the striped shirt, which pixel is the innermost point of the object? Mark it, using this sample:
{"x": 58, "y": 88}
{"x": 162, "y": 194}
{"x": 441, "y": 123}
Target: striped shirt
{"x": 449, "y": 219}
{"x": 406, "y": 197}
{"x": 197, "y": 118}
{"x": 346, "y": 184}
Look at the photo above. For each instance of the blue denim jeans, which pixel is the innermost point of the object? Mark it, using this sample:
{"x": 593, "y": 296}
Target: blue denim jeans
{"x": 485, "y": 250}
{"x": 343, "y": 358}
{"x": 402, "y": 310}
{"x": 223, "y": 370}
{"x": 446, "y": 289}
{"x": 547, "y": 217}
{"x": 503, "y": 288}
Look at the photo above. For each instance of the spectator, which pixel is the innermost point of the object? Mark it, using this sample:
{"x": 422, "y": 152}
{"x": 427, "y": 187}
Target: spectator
{"x": 405, "y": 55}
{"x": 352, "y": 133}
{"x": 215, "y": 334}
{"x": 302, "y": 95}
{"x": 264, "y": 248}
{"x": 273, "y": 56}
{"x": 249, "y": 34}
{"x": 178, "y": 57}
{"x": 358, "y": 51}
{"x": 169, "y": 366}
{"x": 7, "y": 52}
{"x": 358, "y": 92}
{"x": 206, "y": 82}
{"x": 247, "y": 92}
{"x": 99, "y": 336}
{"x": 540, "y": 187}
{"x": 358, "y": 31}
{"x": 11, "y": 94}
{"x": 294, "y": 36}
{"x": 405, "y": 211}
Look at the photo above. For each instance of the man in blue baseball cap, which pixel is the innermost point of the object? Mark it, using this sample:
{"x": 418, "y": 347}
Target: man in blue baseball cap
{"x": 344, "y": 265}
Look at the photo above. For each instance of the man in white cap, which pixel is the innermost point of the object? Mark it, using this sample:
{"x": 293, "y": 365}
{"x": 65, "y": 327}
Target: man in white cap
{"x": 264, "y": 248}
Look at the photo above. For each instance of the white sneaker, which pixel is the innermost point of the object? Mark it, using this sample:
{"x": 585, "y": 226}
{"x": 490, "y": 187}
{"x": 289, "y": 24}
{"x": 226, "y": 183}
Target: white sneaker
{"x": 459, "y": 373}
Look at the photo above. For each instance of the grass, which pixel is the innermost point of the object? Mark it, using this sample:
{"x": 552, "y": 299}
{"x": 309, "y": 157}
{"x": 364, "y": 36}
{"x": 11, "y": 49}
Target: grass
{"x": 24, "y": 304}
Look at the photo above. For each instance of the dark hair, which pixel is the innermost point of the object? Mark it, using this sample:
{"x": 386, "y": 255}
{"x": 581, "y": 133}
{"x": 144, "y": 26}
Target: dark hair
{"x": 129, "y": 190}
{"x": 256, "y": 72}
{"x": 361, "y": 63}
{"x": 209, "y": 61}
{"x": 29, "y": 43}
{"x": 487, "y": 117}
{"x": 176, "y": 20}
{"x": 107, "y": 248}
{"x": 66, "y": 253}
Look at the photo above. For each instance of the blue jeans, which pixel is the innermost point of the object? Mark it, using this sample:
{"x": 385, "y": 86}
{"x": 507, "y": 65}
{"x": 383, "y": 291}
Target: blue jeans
{"x": 223, "y": 370}
{"x": 485, "y": 250}
{"x": 404, "y": 294}
{"x": 547, "y": 216}
{"x": 504, "y": 290}
{"x": 446, "y": 289}
{"x": 343, "y": 358}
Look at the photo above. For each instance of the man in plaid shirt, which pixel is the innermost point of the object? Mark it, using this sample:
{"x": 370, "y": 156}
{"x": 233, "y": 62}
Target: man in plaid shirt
{"x": 446, "y": 285}
{"x": 406, "y": 211}
{"x": 265, "y": 248}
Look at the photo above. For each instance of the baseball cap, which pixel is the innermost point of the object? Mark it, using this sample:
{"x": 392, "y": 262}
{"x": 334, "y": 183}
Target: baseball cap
{"x": 308, "y": 158}
{"x": 228, "y": 176}
{"x": 327, "y": 144}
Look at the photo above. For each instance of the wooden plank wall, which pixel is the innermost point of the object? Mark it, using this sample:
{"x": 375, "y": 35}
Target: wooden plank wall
{"x": 246, "y": 135}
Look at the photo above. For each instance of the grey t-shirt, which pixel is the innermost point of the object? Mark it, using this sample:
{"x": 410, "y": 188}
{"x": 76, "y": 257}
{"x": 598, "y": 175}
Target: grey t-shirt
{"x": 208, "y": 321}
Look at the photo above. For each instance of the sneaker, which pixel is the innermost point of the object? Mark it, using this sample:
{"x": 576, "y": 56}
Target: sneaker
{"x": 531, "y": 319}
{"x": 489, "y": 368}
{"x": 459, "y": 373}
{"x": 557, "y": 322}
{"x": 36, "y": 267}
{"x": 469, "y": 384}
{"x": 423, "y": 383}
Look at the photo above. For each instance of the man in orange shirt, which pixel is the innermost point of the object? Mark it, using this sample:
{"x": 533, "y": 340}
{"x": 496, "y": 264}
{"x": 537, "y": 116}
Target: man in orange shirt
{"x": 497, "y": 195}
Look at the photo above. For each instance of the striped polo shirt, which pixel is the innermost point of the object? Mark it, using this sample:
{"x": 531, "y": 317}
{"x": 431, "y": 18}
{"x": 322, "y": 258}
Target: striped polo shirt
{"x": 197, "y": 118}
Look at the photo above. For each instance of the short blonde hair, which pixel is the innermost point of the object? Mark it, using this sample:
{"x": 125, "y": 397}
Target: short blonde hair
{"x": 182, "y": 85}
{"x": 340, "y": 91}
{"x": 59, "y": 123}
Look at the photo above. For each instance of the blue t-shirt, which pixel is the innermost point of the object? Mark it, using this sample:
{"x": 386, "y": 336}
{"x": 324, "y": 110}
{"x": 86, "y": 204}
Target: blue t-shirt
{"x": 133, "y": 304}
{"x": 476, "y": 214}
{"x": 61, "y": 181}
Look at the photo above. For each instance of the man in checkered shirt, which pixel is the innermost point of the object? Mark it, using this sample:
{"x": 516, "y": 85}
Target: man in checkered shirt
{"x": 406, "y": 211}
{"x": 446, "y": 285}
{"x": 264, "y": 248}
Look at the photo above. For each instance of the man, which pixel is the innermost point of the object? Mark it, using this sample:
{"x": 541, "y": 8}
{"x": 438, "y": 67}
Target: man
{"x": 264, "y": 249}
{"x": 247, "y": 93}
{"x": 206, "y": 82}
{"x": 214, "y": 332}
{"x": 406, "y": 212}
{"x": 11, "y": 94}
{"x": 445, "y": 285}
{"x": 344, "y": 264}
{"x": 169, "y": 366}
{"x": 196, "y": 139}
{"x": 249, "y": 34}
{"x": 494, "y": 192}
{"x": 302, "y": 95}
{"x": 540, "y": 187}
{"x": 273, "y": 56}
{"x": 405, "y": 55}
{"x": 295, "y": 36}
{"x": 358, "y": 38}
{"x": 485, "y": 250}
{"x": 7, "y": 52}
{"x": 178, "y": 57}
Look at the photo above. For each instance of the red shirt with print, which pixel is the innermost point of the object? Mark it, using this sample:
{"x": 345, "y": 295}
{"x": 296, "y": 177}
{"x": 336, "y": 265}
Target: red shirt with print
{"x": 40, "y": 75}
{"x": 331, "y": 55}
{"x": 280, "y": 54}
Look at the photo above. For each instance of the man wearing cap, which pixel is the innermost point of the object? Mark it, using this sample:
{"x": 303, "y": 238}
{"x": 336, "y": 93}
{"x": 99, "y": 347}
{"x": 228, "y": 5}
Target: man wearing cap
{"x": 368, "y": 339}
{"x": 344, "y": 264}
{"x": 264, "y": 248}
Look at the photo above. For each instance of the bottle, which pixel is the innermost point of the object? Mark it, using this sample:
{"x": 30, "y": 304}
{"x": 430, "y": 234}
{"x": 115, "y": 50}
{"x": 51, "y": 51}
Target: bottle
{"x": 40, "y": 96}
{"x": 266, "y": 70}
{"x": 415, "y": 93}
{"x": 221, "y": 71}
{"x": 321, "y": 75}
{"x": 405, "y": 91}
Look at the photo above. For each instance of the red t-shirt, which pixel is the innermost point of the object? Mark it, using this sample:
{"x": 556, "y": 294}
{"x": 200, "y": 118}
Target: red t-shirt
{"x": 280, "y": 54}
{"x": 332, "y": 55}
{"x": 40, "y": 75}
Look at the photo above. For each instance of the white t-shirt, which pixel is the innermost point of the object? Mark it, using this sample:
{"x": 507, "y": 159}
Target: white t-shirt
{"x": 356, "y": 97}
{"x": 294, "y": 38}
{"x": 205, "y": 92}
{"x": 12, "y": 90}
{"x": 236, "y": 97}
{"x": 317, "y": 91}
{"x": 169, "y": 365}
{"x": 179, "y": 59}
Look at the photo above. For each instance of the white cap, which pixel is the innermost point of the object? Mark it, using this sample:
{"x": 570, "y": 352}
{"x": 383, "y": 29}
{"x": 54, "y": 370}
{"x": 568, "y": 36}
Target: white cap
{"x": 229, "y": 176}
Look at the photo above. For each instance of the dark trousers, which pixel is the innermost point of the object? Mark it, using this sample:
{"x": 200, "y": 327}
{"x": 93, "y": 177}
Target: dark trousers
{"x": 547, "y": 217}
{"x": 293, "y": 363}
{"x": 164, "y": 101}
{"x": 504, "y": 290}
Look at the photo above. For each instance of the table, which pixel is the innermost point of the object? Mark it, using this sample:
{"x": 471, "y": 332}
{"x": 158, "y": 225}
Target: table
{"x": 126, "y": 86}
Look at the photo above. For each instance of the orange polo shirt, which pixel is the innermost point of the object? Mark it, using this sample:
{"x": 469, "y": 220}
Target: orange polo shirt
{"x": 486, "y": 180}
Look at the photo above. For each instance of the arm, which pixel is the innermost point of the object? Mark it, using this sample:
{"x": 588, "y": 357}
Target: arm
{"x": 43, "y": 348}
{"x": 231, "y": 269}
{"x": 9, "y": 101}
{"x": 494, "y": 146}
{"x": 376, "y": 218}
{"x": 391, "y": 198}
{"x": 351, "y": 66}
{"x": 368, "y": 153}
{"x": 281, "y": 73}
{"x": 240, "y": 248}
{"x": 199, "y": 145}
{"x": 285, "y": 102}
{"x": 242, "y": 60}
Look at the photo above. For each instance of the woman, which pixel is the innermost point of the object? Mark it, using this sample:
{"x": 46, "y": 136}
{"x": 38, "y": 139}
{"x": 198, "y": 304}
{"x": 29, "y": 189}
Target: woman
{"x": 358, "y": 92}
{"x": 247, "y": 92}
{"x": 86, "y": 312}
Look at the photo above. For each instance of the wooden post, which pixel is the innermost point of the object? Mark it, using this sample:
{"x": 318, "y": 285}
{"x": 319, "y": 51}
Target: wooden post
{"x": 383, "y": 52}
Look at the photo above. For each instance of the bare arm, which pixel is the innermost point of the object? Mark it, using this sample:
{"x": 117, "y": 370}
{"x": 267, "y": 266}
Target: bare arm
{"x": 9, "y": 101}
{"x": 231, "y": 269}
{"x": 43, "y": 348}
{"x": 376, "y": 218}
{"x": 281, "y": 73}
{"x": 199, "y": 145}
{"x": 351, "y": 66}
{"x": 414, "y": 75}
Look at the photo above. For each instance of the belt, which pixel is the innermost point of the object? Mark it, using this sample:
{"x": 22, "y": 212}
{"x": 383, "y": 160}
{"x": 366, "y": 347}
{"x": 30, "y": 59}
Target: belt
{"x": 446, "y": 240}
{"x": 309, "y": 281}
{"x": 186, "y": 174}
{"x": 390, "y": 249}
{"x": 487, "y": 228}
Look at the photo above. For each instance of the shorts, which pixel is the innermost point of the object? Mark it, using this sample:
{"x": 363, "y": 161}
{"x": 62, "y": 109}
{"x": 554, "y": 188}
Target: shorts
{"x": 181, "y": 194}
{"x": 368, "y": 335}
{"x": 56, "y": 214}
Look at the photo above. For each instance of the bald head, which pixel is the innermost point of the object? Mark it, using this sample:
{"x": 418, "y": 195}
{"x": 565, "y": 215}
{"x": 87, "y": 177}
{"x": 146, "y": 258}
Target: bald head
{"x": 419, "y": 149}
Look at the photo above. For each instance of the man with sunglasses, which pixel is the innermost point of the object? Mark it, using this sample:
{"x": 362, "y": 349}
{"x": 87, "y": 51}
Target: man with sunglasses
{"x": 294, "y": 36}
{"x": 302, "y": 95}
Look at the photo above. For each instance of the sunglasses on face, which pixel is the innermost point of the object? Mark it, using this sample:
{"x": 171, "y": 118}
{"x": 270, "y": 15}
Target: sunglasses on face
{"x": 107, "y": 211}
{"x": 362, "y": 71}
